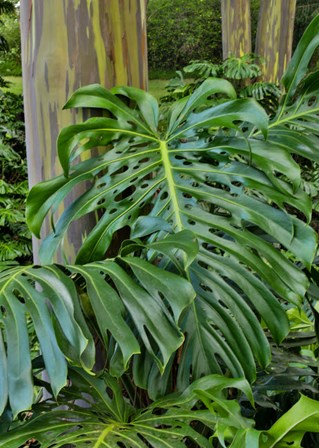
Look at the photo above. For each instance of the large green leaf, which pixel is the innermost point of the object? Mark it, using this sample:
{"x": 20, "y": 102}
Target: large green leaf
{"x": 298, "y": 66}
{"x": 45, "y": 294}
{"x": 295, "y": 126}
{"x": 144, "y": 299}
{"x": 290, "y": 429}
{"x": 230, "y": 190}
{"x": 136, "y": 303}
{"x": 108, "y": 420}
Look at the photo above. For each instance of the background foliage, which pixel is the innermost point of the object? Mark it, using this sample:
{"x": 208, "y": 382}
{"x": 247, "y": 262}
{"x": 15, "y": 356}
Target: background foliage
{"x": 10, "y": 61}
{"x": 15, "y": 238}
{"x": 183, "y": 30}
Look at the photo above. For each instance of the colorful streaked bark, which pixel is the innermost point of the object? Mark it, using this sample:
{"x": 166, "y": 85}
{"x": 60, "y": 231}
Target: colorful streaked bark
{"x": 236, "y": 27}
{"x": 67, "y": 44}
{"x": 274, "y": 36}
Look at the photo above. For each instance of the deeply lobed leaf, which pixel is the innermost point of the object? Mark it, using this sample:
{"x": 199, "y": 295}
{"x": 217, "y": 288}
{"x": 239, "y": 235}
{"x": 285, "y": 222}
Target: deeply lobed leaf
{"x": 224, "y": 188}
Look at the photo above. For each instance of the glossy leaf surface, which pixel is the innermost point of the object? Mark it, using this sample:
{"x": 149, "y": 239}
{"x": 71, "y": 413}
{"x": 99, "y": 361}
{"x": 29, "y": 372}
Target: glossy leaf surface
{"x": 152, "y": 298}
{"x": 211, "y": 172}
{"x": 109, "y": 419}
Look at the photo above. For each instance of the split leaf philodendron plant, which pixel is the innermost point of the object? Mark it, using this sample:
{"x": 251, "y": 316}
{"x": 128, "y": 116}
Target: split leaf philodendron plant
{"x": 212, "y": 201}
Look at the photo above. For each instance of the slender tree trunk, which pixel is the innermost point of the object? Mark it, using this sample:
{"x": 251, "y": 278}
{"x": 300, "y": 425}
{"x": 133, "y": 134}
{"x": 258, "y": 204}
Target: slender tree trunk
{"x": 236, "y": 27}
{"x": 274, "y": 36}
{"x": 67, "y": 44}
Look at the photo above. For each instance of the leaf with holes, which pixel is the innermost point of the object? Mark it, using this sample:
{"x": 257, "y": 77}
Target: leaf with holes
{"x": 153, "y": 299}
{"x": 295, "y": 126}
{"x": 45, "y": 294}
{"x": 213, "y": 172}
{"x": 108, "y": 420}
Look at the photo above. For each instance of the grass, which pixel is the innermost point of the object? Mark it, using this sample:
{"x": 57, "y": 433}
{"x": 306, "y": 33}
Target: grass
{"x": 156, "y": 86}
{"x": 15, "y": 86}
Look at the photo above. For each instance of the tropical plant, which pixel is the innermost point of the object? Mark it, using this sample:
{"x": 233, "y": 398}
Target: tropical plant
{"x": 181, "y": 30}
{"x": 15, "y": 238}
{"x": 244, "y": 67}
{"x": 5, "y": 8}
{"x": 10, "y": 61}
{"x": 193, "y": 257}
{"x": 189, "y": 178}
{"x": 104, "y": 417}
{"x": 243, "y": 72}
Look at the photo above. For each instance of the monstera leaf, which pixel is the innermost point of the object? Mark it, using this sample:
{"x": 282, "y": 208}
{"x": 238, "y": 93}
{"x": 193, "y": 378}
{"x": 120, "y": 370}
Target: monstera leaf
{"x": 107, "y": 419}
{"x": 39, "y": 293}
{"x": 53, "y": 298}
{"x": 222, "y": 172}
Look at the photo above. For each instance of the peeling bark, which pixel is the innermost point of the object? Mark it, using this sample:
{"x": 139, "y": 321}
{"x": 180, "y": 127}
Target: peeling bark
{"x": 236, "y": 27}
{"x": 274, "y": 36}
{"x": 67, "y": 44}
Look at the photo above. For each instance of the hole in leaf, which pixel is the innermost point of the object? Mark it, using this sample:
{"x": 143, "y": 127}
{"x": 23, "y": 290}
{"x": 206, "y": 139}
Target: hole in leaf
{"x": 125, "y": 194}
{"x": 164, "y": 195}
{"x": 18, "y": 295}
{"x": 191, "y": 222}
{"x": 112, "y": 211}
{"x": 101, "y": 185}
{"x": 101, "y": 201}
{"x": 205, "y": 287}
{"x": 223, "y": 304}
{"x": 202, "y": 264}
{"x": 121, "y": 170}
{"x": 152, "y": 342}
{"x": 110, "y": 392}
{"x": 312, "y": 100}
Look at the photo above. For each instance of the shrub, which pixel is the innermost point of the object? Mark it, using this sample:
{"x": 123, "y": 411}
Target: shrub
{"x": 179, "y": 31}
{"x": 15, "y": 238}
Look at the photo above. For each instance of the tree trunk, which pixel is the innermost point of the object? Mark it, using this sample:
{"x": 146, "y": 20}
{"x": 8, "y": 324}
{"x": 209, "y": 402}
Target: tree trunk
{"x": 236, "y": 27}
{"x": 274, "y": 36}
{"x": 67, "y": 44}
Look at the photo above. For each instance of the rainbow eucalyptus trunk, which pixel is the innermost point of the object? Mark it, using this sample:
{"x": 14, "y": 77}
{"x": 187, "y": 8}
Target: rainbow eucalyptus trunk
{"x": 274, "y": 36}
{"x": 67, "y": 44}
{"x": 236, "y": 27}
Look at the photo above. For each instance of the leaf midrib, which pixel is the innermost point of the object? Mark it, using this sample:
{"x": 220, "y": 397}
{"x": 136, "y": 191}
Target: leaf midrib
{"x": 289, "y": 119}
{"x": 171, "y": 184}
